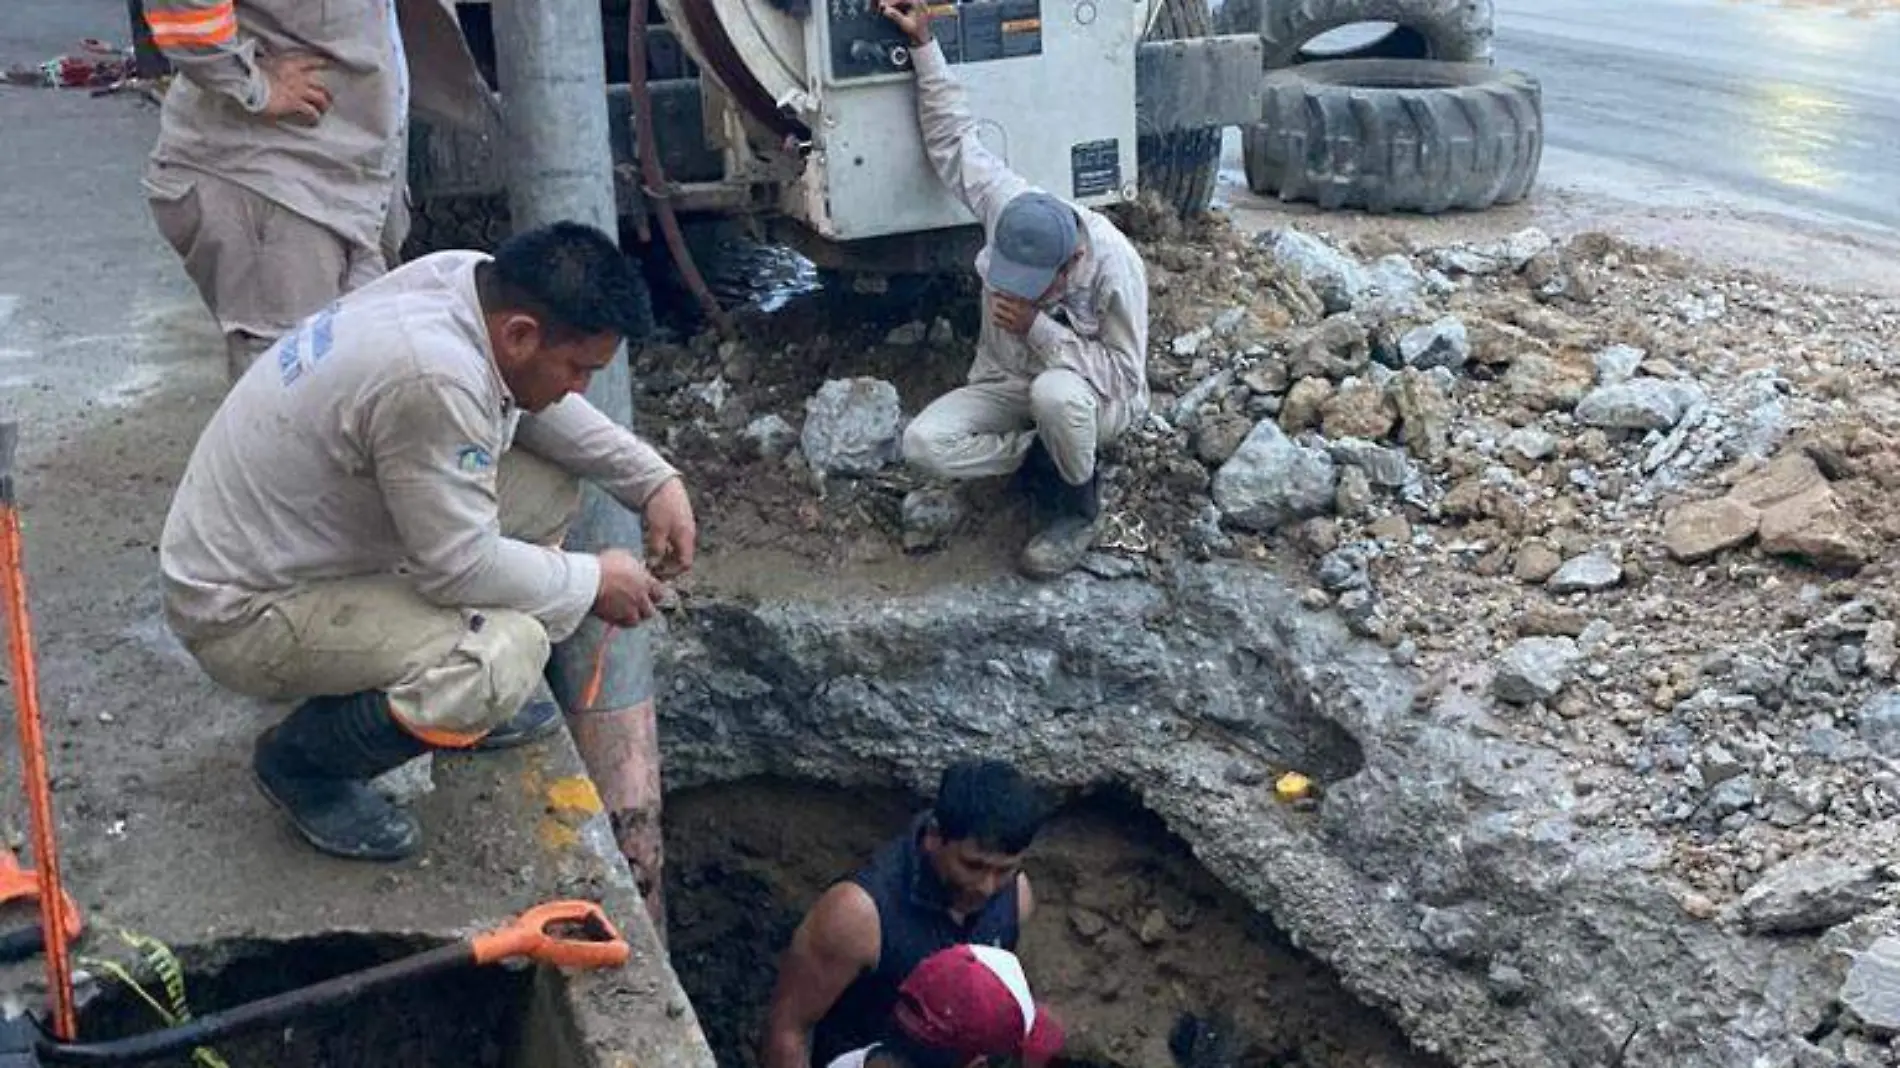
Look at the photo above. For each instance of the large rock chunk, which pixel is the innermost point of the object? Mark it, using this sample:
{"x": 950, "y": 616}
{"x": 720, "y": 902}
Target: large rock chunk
{"x": 1589, "y": 573}
{"x": 1358, "y": 409}
{"x": 1814, "y": 526}
{"x": 1810, "y": 894}
{"x": 1335, "y": 277}
{"x": 1638, "y": 404}
{"x": 1550, "y": 381}
{"x": 1880, "y": 723}
{"x": 1535, "y": 669}
{"x": 1425, "y": 414}
{"x": 1272, "y": 481}
{"x": 1444, "y": 343}
{"x": 1334, "y": 349}
{"x": 852, "y": 426}
{"x": 1871, "y": 993}
{"x": 1789, "y": 475}
{"x": 1700, "y": 529}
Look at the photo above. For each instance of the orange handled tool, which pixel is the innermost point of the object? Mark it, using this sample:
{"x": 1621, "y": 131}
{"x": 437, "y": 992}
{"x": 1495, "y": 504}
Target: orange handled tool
{"x": 23, "y": 884}
{"x": 39, "y": 787}
{"x": 562, "y": 934}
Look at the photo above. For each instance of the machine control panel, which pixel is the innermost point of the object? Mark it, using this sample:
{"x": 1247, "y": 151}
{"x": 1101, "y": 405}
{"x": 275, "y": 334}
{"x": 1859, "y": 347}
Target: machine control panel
{"x": 865, "y": 44}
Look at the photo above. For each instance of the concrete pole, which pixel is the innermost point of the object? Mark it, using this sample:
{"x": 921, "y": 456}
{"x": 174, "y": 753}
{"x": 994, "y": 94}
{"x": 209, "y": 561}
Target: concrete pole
{"x": 553, "y": 80}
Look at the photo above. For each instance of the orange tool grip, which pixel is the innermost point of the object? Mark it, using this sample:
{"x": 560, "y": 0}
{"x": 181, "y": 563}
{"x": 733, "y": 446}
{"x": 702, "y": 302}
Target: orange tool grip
{"x": 23, "y": 884}
{"x": 528, "y": 936}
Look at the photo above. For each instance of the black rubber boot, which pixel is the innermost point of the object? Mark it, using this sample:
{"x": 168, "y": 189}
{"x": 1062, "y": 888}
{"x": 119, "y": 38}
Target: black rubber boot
{"x": 317, "y": 764}
{"x": 1071, "y": 517}
{"x": 538, "y": 718}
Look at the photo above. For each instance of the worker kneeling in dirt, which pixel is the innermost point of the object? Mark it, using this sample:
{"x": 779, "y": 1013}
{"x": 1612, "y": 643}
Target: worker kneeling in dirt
{"x": 959, "y": 1008}
{"x": 955, "y": 876}
{"x": 370, "y": 523}
{"x": 1061, "y": 362}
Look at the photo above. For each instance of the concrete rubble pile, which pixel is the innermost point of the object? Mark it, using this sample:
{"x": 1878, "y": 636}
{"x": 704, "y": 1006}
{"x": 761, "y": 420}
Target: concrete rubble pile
{"x": 1563, "y": 566}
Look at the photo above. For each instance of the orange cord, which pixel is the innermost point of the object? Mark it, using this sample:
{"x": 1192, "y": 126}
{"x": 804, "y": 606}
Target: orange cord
{"x": 590, "y": 696}
{"x": 39, "y": 790}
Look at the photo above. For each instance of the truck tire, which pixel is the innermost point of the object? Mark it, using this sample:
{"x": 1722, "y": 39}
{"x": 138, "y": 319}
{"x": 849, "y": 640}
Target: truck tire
{"x": 1454, "y": 30}
{"x": 1181, "y": 166}
{"x": 1398, "y": 135}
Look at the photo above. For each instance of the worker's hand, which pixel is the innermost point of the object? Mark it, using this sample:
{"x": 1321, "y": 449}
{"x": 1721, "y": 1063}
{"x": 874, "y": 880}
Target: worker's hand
{"x": 672, "y": 534}
{"x": 911, "y": 16}
{"x": 1013, "y": 315}
{"x": 629, "y": 594}
{"x": 297, "y": 91}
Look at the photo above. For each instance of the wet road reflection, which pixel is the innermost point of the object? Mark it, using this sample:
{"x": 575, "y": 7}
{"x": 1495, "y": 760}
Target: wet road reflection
{"x": 1792, "y": 103}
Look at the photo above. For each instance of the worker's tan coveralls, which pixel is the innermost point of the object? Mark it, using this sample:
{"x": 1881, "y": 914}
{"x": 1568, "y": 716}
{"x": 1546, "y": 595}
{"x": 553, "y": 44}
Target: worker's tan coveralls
{"x": 369, "y": 510}
{"x": 1080, "y": 375}
{"x": 272, "y": 218}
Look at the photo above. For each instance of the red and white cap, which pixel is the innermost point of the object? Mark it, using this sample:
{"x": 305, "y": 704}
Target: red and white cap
{"x": 974, "y": 1001}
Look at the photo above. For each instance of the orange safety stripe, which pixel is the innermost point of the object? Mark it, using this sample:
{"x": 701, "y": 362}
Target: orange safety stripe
{"x": 214, "y": 26}
{"x": 436, "y": 736}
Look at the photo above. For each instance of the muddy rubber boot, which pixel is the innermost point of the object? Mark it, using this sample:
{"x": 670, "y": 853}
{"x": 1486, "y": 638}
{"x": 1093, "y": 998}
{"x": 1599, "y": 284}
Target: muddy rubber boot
{"x": 317, "y": 764}
{"x": 538, "y": 718}
{"x": 1066, "y": 533}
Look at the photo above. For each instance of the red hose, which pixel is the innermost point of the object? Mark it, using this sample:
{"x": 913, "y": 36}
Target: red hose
{"x": 653, "y": 176}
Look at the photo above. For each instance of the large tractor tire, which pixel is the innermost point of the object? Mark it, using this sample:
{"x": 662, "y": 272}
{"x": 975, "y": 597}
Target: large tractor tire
{"x": 1455, "y": 30}
{"x": 1181, "y": 166}
{"x": 1398, "y": 135}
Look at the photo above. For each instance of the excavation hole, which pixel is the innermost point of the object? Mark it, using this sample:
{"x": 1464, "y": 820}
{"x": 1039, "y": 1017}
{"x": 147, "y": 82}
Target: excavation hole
{"x": 493, "y": 1017}
{"x": 1133, "y": 942}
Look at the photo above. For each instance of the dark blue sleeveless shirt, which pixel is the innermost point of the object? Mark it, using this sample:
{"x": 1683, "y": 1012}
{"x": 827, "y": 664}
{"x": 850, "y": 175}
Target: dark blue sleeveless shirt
{"x": 913, "y": 914}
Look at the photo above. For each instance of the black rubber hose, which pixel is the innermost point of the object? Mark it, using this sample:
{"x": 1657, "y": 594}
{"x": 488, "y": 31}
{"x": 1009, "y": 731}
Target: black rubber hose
{"x": 328, "y": 996}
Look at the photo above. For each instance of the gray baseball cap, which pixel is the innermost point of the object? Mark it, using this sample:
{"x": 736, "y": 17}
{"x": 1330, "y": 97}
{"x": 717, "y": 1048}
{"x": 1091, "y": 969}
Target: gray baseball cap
{"x": 1035, "y": 236}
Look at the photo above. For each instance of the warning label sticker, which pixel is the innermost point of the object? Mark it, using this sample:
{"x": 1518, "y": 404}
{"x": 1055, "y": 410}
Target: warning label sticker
{"x": 1095, "y": 167}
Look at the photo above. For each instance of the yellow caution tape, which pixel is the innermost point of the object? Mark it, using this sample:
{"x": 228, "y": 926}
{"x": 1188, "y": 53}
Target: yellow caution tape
{"x": 158, "y": 957}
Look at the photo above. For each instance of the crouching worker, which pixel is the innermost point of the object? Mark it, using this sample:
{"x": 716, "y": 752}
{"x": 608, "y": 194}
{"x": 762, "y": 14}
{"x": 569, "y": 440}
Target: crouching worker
{"x": 959, "y": 1008}
{"x": 1061, "y": 360}
{"x": 370, "y": 523}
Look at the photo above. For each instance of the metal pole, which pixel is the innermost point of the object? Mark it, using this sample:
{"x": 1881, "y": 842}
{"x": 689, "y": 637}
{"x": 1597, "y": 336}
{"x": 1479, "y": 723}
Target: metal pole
{"x": 553, "y": 79}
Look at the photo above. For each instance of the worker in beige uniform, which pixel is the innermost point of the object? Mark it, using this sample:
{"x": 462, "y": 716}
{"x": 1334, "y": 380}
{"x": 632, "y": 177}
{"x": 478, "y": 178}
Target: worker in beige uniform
{"x": 370, "y": 524}
{"x": 278, "y": 174}
{"x": 1061, "y": 361}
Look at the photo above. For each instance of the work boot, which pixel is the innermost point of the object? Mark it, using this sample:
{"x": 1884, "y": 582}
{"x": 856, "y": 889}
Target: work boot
{"x": 317, "y": 765}
{"x": 538, "y": 718}
{"x": 1070, "y": 518}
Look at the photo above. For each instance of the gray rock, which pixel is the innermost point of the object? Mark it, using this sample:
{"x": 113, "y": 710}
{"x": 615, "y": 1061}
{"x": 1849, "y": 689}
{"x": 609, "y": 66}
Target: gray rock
{"x": 1443, "y": 343}
{"x": 852, "y": 427}
{"x": 1810, "y": 894}
{"x": 1189, "y": 344}
{"x": 1880, "y": 723}
{"x": 1871, "y": 994}
{"x": 1535, "y": 669}
{"x": 1457, "y": 933}
{"x": 1589, "y": 573}
{"x": 1336, "y": 278}
{"x": 1827, "y": 743}
{"x": 1385, "y": 467}
{"x": 1271, "y": 481}
{"x": 1394, "y": 283}
{"x": 908, "y": 336}
{"x": 1530, "y": 443}
{"x": 1509, "y": 254}
{"x": 1638, "y": 404}
{"x": 770, "y": 436}
{"x": 1617, "y": 364}
{"x": 408, "y": 782}
{"x": 1342, "y": 570}
{"x": 1731, "y": 797}
{"x": 931, "y": 515}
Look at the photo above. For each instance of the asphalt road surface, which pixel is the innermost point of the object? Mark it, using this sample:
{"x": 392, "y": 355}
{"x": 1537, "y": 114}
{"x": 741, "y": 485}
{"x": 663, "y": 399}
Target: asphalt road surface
{"x": 1791, "y": 105}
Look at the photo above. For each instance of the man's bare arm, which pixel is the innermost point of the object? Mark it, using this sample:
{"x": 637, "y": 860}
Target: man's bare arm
{"x": 837, "y": 942}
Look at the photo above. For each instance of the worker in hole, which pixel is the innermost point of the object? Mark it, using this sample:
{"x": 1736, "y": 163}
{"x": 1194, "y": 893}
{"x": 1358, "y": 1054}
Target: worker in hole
{"x": 954, "y": 876}
{"x": 958, "y": 1009}
{"x": 370, "y": 524}
{"x": 1061, "y": 359}
{"x": 278, "y": 175}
